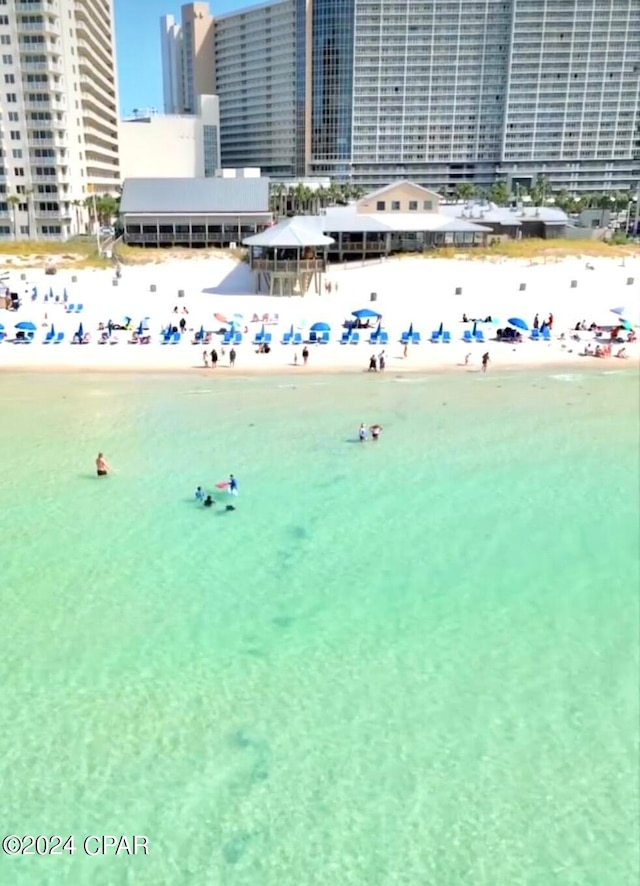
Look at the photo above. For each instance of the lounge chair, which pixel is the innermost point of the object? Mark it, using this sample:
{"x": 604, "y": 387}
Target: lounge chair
{"x": 59, "y": 338}
{"x": 3, "y": 335}
{"x": 355, "y": 338}
{"x": 546, "y": 334}
{"x": 535, "y": 335}
{"x": 405, "y": 338}
{"x": 479, "y": 336}
{"x": 70, "y": 309}
{"x": 374, "y": 338}
{"x": 446, "y": 338}
{"x": 176, "y": 338}
{"x": 268, "y": 336}
{"x": 345, "y": 338}
{"x": 166, "y": 338}
{"x": 313, "y": 338}
{"x": 435, "y": 337}
{"x": 297, "y": 338}
{"x": 258, "y": 338}
{"x": 384, "y": 338}
{"x": 324, "y": 338}
{"x": 79, "y": 308}
{"x": 416, "y": 338}
{"x": 237, "y": 338}
{"x": 49, "y": 337}
{"x": 227, "y": 338}
{"x": 467, "y": 337}
{"x": 286, "y": 338}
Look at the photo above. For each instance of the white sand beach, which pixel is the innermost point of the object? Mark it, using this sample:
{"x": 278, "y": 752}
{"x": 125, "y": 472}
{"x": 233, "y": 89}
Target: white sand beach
{"x": 408, "y": 291}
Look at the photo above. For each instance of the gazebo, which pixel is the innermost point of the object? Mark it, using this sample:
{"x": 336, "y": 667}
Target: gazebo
{"x": 290, "y": 257}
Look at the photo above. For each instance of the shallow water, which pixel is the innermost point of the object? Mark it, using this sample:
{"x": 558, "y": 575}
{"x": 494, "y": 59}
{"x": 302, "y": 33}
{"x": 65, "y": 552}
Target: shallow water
{"x": 406, "y": 662}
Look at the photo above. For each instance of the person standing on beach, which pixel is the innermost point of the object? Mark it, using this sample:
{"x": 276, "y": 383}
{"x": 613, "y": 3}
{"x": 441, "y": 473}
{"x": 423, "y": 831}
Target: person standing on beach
{"x": 382, "y": 361}
{"x": 102, "y": 466}
{"x": 214, "y": 358}
{"x": 485, "y": 361}
{"x": 373, "y": 365}
{"x": 205, "y": 359}
{"x": 536, "y": 322}
{"x": 232, "y": 357}
{"x": 305, "y": 355}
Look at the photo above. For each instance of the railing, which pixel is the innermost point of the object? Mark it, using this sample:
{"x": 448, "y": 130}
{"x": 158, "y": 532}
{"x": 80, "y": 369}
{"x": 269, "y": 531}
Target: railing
{"x": 179, "y": 237}
{"x": 288, "y": 267}
{"x": 42, "y": 66}
{"x": 38, "y": 27}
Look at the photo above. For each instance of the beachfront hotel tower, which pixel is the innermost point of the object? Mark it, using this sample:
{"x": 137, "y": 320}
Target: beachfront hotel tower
{"x": 442, "y": 92}
{"x": 59, "y": 126}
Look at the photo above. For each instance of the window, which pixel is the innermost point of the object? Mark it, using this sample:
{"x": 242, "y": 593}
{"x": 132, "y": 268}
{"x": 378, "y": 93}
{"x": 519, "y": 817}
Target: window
{"x": 5, "y": 40}
{"x": 15, "y": 135}
{"x": 428, "y": 204}
{"x": 12, "y": 98}
{"x": 413, "y": 205}
{"x": 4, "y": 19}
{"x": 7, "y": 59}
{"x": 14, "y": 117}
{"x": 381, "y": 206}
{"x": 16, "y": 153}
{"x": 24, "y": 229}
{"x": 9, "y": 78}
{"x": 395, "y": 205}
{"x": 18, "y": 171}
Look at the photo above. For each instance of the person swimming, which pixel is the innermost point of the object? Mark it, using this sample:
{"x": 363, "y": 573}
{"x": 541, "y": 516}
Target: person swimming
{"x": 199, "y": 494}
{"x": 230, "y": 508}
{"x": 233, "y": 485}
{"x": 102, "y": 466}
{"x": 375, "y": 431}
{"x": 363, "y": 433}
{"x": 208, "y": 502}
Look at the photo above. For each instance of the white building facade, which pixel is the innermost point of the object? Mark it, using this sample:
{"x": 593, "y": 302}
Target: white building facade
{"x": 59, "y": 106}
{"x": 172, "y": 145}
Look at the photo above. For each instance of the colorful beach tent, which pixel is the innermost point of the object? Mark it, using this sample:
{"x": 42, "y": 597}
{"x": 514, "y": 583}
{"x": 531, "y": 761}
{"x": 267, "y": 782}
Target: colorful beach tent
{"x": 365, "y": 314}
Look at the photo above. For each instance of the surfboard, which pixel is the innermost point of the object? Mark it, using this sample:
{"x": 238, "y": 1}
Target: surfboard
{"x": 222, "y": 484}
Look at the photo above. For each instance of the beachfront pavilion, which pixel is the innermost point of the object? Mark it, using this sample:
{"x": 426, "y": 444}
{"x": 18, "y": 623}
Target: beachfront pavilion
{"x": 196, "y": 212}
{"x": 289, "y": 258}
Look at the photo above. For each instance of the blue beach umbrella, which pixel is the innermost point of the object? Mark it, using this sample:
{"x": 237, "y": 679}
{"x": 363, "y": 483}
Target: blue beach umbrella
{"x": 80, "y": 332}
{"x": 26, "y": 326}
{"x": 320, "y": 327}
{"x": 201, "y": 334}
{"x": 51, "y": 292}
{"x": 65, "y": 297}
{"x": 475, "y": 327}
{"x": 52, "y": 331}
{"x": 291, "y": 331}
{"x": 262, "y": 333}
{"x": 140, "y": 328}
{"x": 410, "y": 330}
{"x": 365, "y": 314}
{"x": 441, "y": 328}
{"x": 379, "y": 327}
{"x": 518, "y": 323}
{"x": 619, "y": 311}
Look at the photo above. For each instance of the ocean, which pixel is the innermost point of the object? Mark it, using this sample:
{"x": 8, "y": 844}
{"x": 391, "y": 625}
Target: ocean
{"x": 413, "y": 661}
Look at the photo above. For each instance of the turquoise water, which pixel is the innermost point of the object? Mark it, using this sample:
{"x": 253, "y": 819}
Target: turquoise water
{"x": 407, "y": 662}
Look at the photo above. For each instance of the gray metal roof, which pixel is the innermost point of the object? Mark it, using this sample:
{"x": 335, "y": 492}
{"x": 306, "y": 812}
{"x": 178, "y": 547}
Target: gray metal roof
{"x": 194, "y": 196}
{"x": 298, "y": 231}
{"x": 505, "y": 215}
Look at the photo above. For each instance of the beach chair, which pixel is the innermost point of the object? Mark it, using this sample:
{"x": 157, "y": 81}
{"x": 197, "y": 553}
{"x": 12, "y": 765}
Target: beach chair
{"x": 313, "y": 338}
{"x": 546, "y": 334}
{"x": 176, "y": 338}
{"x": 345, "y": 337}
{"x": 297, "y": 338}
{"x": 49, "y": 337}
{"x": 237, "y": 338}
{"x": 383, "y": 338}
{"x": 435, "y": 337}
{"x": 416, "y": 338}
{"x": 268, "y": 336}
{"x": 374, "y": 338}
{"x": 166, "y": 338}
{"x": 324, "y": 338}
{"x": 79, "y": 308}
{"x": 404, "y": 338}
{"x": 479, "y": 336}
{"x": 69, "y": 308}
{"x": 446, "y": 338}
{"x": 3, "y": 335}
{"x": 355, "y": 338}
{"x": 227, "y": 338}
{"x": 59, "y": 338}
{"x": 467, "y": 337}
{"x": 286, "y": 338}
{"x": 535, "y": 335}
{"x": 258, "y": 338}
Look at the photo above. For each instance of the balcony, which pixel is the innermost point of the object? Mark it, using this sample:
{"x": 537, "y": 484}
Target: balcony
{"x": 47, "y": 66}
{"x": 92, "y": 84}
{"x": 47, "y": 25}
{"x": 42, "y": 7}
{"x": 48, "y": 142}
{"x": 53, "y": 106}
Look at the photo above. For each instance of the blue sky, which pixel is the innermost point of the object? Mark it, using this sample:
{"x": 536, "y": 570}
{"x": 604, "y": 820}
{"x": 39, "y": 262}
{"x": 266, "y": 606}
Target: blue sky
{"x": 138, "y": 46}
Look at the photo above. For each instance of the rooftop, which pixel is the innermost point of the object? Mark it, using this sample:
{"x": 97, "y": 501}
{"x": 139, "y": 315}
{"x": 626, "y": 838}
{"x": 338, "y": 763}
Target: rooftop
{"x": 505, "y": 215}
{"x": 293, "y": 232}
{"x": 194, "y": 196}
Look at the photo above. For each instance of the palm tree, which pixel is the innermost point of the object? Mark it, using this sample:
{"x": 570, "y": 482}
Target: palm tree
{"x": 499, "y": 193}
{"x": 540, "y": 191}
{"x": 14, "y": 200}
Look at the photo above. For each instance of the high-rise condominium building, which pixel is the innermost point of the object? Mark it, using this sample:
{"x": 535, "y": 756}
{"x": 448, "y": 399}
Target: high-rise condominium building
{"x": 59, "y": 126}
{"x": 438, "y": 91}
{"x": 188, "y": 61}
